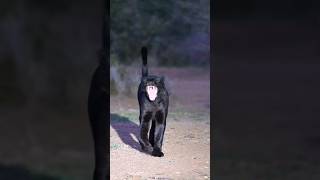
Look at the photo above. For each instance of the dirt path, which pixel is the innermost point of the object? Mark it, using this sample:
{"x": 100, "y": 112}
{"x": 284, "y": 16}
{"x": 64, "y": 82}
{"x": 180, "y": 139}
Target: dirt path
{"x": 186, "y": 147}
{"x": 187, "y": 137}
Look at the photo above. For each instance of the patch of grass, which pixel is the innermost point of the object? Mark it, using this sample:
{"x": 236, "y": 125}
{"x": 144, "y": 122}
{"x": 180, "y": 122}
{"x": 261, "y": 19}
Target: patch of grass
{"x": 115, "y": 146}
{"x": 177, "y": 115}
{"x": 181, "y": 115}
{"x": 125, "y": 117}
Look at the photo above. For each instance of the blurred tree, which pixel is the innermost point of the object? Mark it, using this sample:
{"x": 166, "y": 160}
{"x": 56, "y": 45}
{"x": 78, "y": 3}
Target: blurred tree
{"x": 165, "y": 26}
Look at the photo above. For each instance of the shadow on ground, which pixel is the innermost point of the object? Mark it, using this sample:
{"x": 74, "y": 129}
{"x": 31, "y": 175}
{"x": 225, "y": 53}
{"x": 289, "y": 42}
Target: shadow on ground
{"x": 21, "y": 173}
{"x": 125, "y": 129}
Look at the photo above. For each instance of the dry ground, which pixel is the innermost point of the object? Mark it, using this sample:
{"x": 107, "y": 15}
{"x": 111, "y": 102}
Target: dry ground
{"x": 187, "y": 137}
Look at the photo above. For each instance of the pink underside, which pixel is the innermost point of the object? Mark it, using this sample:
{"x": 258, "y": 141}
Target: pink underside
{"x": 152, "y": 92}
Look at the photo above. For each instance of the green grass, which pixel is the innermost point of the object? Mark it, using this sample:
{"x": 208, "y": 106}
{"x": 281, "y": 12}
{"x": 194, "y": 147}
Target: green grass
{"x": 124, "y": 117}
{"x": 177, "y": 115}
{"x": 180, "y": 115}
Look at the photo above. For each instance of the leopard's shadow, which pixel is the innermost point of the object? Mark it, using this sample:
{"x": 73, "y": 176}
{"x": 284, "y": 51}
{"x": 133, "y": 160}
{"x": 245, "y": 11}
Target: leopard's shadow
{"x": 126, "y": 130}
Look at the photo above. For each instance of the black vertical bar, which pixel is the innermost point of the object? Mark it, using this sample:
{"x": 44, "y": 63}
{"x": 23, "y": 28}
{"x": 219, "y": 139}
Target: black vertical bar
{"x": 99, "y": 101}
{"x": 107, "y": 50}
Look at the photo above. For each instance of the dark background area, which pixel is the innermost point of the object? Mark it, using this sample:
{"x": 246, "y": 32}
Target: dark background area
{"x": 48, "y": 52}
{"x": 265, "y": 90}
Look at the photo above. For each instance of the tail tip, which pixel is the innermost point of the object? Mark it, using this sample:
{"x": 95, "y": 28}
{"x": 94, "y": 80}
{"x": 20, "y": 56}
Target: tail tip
{"x": 144, "y": 50}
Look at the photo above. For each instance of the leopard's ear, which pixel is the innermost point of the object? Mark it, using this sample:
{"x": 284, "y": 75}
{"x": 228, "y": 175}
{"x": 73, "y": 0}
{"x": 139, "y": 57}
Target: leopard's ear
{"x": 144, "y": 80}
{"x": 162, "y": 79}
{"x": 158, "y": 79}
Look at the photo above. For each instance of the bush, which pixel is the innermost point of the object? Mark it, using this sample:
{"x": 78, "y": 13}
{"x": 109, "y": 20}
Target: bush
{"x": 175, "y": 31}
{"x": 123, "y": 81}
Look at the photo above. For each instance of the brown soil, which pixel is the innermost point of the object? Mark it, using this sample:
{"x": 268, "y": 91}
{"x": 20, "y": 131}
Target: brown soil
{"x": 186, "y": 148}
{"x": 187, "y": 137}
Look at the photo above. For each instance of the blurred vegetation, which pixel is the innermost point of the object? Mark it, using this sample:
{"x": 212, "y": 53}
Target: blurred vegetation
{"x": 175, "y": 31}
{"x": 123, "y": 81}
